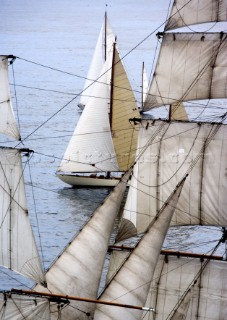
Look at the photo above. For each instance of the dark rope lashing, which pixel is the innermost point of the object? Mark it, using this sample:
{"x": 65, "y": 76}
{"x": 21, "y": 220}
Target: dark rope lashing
{"x": 11, "y": 59}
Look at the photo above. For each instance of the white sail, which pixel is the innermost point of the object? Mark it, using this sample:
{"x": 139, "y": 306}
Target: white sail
{"x": 144, "y": 85}
{"x": 164, "y": 163}
{"x": 17, "y": 244}
{"x": 18, "y": 307}
{"x": 178, "y": 112}
{"x": 78, "y": 270}
{"x": 91, "y": 147}
{"x": 173, "y": 277}
{"x": 190, "y": 67}
{"x": 132, "y": 281}
{"x": 97, "y": 61}
{"x": 8, "y": 124}
{"x": 123, "y": 107}
{"x": 185, "y": 13}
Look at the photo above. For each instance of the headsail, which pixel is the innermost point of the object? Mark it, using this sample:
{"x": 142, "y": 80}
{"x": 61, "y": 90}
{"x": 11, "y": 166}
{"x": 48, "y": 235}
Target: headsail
{"x": 91, "y": 147}
{"x": 190, "y": 67}
{"x": 132, "y": 281}
{"x": 17, "y": 244}
{"x": 102, "y": 49}
{"x": 78, "y": 270}
{"x": 8, "y": 124}
{"x": 185, "y": 13}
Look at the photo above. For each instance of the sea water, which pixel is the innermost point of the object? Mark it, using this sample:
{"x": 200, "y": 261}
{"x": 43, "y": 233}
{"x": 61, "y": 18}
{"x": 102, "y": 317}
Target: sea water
{"x": 54, "y": 41}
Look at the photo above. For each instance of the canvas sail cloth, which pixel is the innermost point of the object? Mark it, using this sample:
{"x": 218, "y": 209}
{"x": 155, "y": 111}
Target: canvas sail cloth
{"x": 77, "y": 271}
{"x": 105, "y": 42}
{"x": 17, "y": 244}
{"x": 191, "y": 66}
{"x": 131, "y": 283}
{"x": 174, "y": 275}
{"x": 192, "y": 12}
{"x": 8, "y": 124}
{"x": 91, "y": 147}
{"x": 163, "y": 164}
{"x": 123, "y": 107}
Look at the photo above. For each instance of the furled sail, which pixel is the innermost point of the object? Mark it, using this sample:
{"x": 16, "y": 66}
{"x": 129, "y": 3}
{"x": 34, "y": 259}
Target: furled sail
{"x": 123, "y": 107}
{"x": 8, "y": 124}
{"x": 17, "y": 244}
{"x": 163, "y": 164}
{"x": 78, "y": 270}
{"x": 98, "y": 60}
{"x": 132, "y": 281}
{"x": 190, "y": 67}
{"x": 174, "y": 275}
{"x": 91, "y": 147}
{"x": 186, "y": 12}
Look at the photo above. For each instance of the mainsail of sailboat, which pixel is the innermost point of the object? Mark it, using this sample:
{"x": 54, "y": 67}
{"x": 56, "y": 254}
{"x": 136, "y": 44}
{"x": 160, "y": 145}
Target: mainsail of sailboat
{"x": 178, "y": 178}
{"x": 104, "y": 141}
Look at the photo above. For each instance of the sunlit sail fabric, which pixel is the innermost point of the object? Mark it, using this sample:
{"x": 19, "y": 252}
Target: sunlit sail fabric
{"x": 190, "y": 67}
{"x": 91, "y": 147}
{"x": 144, "y": 85}
{"x": 186, "y": 12}
{"x": 124, "y": 107}
{"x": 17, "y": 307}
{"x": 78, "y": 270}
{"x": 178, "y": 112}
{"x": 172, "y": 278}
{"x": 98, "y": 60}
{"x": 131, "y": 284}
{"x": 18, "y": 250}
{"x": 163, "y": 164}
{"x": 8, "y": 124}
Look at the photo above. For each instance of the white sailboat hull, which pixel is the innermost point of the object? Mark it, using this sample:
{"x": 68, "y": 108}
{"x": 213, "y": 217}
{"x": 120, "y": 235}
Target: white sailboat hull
{"x": 88, "y": 181}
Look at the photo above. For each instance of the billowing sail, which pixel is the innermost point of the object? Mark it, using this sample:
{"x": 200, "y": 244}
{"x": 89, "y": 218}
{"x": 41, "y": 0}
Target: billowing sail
{"x": 98, "y": 60}
{"x": 163, "y": 164}
{"x": 190, "y": 67}
{"x": 17, "y": 244}
{"x": 91, "y": 147}
{"x": 78, "y": 270}
{"x": 131, "y": 283}
{"x": 8, "y": 124}
{"x": 123, "y": 107}
{"x": 185, "y": 13}
{"x": 175, "y": 275}
{"x": 18, "y": 307}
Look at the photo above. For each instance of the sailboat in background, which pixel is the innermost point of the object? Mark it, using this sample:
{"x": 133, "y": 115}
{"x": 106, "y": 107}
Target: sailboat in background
{"x": 103, "y": 144}
{"x": 174, "y": 181}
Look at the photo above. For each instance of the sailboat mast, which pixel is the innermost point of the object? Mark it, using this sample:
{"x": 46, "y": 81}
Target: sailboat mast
{"x": 112, "y": 84}
{"x": 142, "y": 86}
{"x": 105, "y": 45}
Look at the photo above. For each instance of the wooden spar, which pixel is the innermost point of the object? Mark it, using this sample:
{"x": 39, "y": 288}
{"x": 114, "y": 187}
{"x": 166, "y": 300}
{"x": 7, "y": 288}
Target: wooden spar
{"x": 171, "y": 253}
{"x": 60, "y": 296}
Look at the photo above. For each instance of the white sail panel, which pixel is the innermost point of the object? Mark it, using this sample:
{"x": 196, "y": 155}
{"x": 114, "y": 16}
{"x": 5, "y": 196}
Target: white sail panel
{"x": 93, "y": 72}
{"x": 186, "y": 13}
{"x": 18, "y": 307}
{"x": 124, "y": 107}
{"x": 190, "y": 67}
{"x": 144, "y": 85}
{"x": 91, "y": 147}
{"x": 78, "y": 270}
{"x": 164, "y": 163}
{"x": 98, "y": 60}
{"x": 174, "y": 275}
{"x": 18, "y": 250}
{"x": 8, "y": 124}
{"x": 131, "y": 284}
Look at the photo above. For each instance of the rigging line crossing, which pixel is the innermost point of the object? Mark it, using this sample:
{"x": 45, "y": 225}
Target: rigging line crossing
{"x": 91, "y": 83}
{"x": 194, "y": 281}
